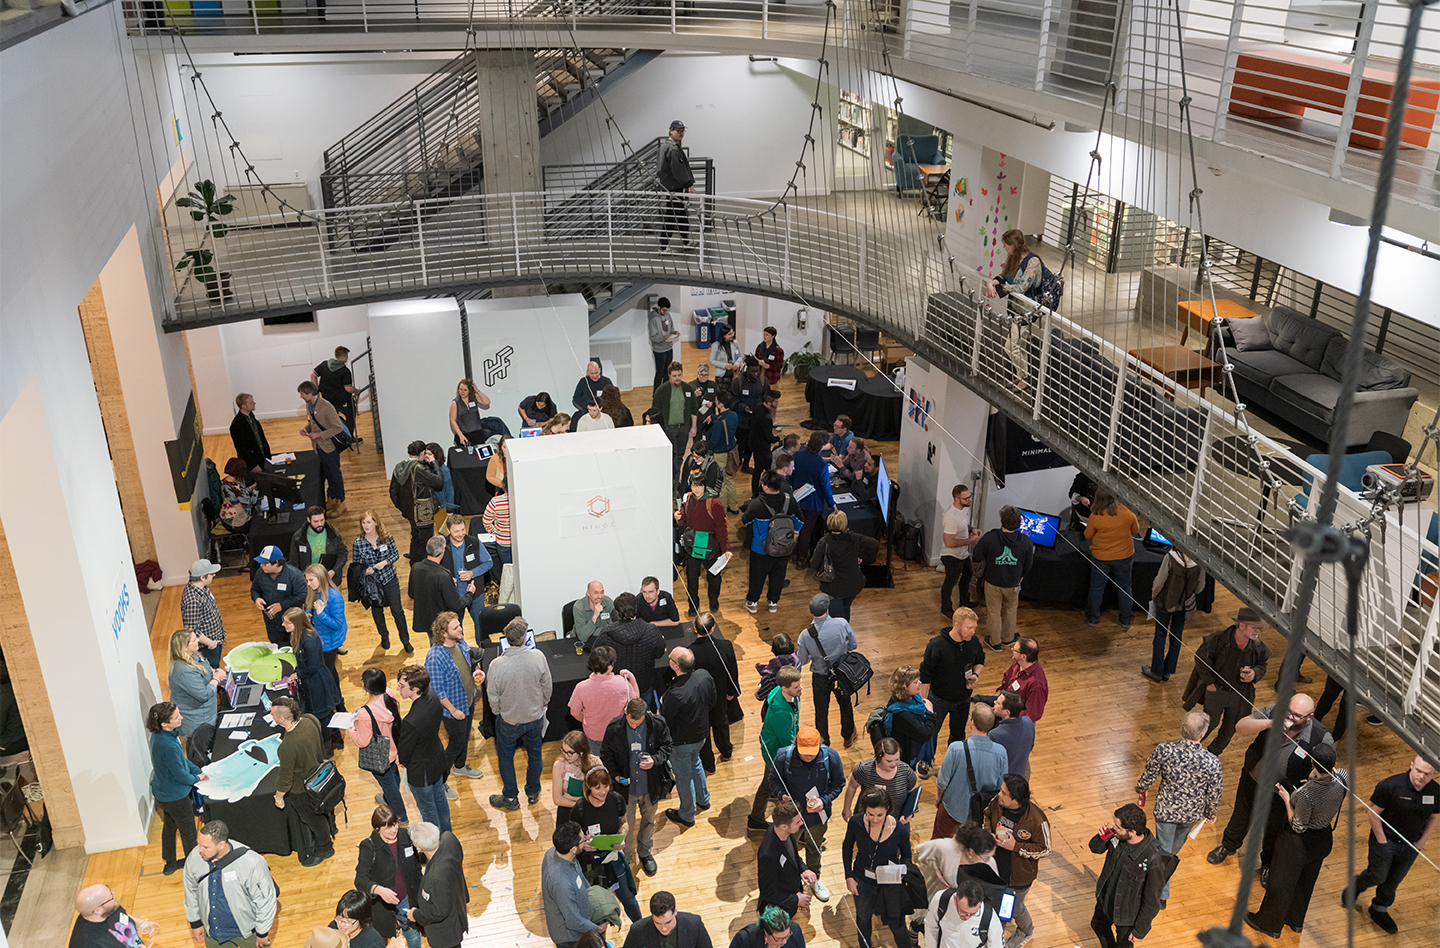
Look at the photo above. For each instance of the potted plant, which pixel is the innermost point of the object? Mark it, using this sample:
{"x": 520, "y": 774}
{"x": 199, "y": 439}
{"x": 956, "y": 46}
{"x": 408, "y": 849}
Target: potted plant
{"x": 802, "y": 361}
{"x": 205, "y": 206}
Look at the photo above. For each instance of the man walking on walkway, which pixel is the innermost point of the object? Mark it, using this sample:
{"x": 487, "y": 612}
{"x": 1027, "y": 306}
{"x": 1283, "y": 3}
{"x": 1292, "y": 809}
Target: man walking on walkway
{"x": 675, "y": 177}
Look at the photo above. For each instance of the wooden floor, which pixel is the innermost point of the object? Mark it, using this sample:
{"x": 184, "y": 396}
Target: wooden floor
{"x": 1100, "y": 724}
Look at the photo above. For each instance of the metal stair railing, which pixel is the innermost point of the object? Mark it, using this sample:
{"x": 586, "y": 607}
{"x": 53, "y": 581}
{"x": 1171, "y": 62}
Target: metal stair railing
{"x": 1187, "y": 464}
{"x": 585, "y": 184}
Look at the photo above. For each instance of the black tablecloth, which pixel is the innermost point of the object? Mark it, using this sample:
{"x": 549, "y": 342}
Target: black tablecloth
{"x": 255, "y": 820}
{"x": 467, "y": 473}
{"x": 265, "y": 532}
{"x": 864, "y": 516}
{"x": 1062, "y": 574}
{"x": 567, "y": 670}
{"x": 874, "y": 406}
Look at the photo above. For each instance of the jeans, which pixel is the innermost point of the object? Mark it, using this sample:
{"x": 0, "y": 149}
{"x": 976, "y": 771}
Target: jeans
{"x": 867, "y": 898}
{"x": 389, "y": 783}
{"x": 1334, "y": 691}
{"x": 1386, "y": 868}
{"x": 332, "y": 482}
{"x": 434, "y": 808}
{"x": 1168, "y": 628}
{"x": 1000, "y": 606}
{"x": 391, "y": 592}
{"x": 1119, "y": 571}
{"x": 840, "y": 608}
{"x": 212, "y": 655}
{"x": 506, "y": 737}
{"x": 178, "y": 817}
{"x": 675, "y": 221}
{"x": 412, "y": 932}
{"x": 419, "y": 534}
{"x": 956, "y": 711}
{"x": 766, "y": 568}
{"x": 1171, "y": 836}
{"x": 457, "y": 737}
{"x": 1110, "y": 934}
{"x": 689, "y": 779}
{"x": 662, "y": 366}
{"x": 957, "y": 571}
{"x": 821, "y": 687}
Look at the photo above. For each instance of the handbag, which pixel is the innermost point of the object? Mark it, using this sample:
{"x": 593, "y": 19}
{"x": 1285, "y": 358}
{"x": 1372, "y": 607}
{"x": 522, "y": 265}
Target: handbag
{"x": 732, "y": 461}
{"x": 375, "y": 756}
{"x": 423, "y": 511}
{"x": 826, "y": 572}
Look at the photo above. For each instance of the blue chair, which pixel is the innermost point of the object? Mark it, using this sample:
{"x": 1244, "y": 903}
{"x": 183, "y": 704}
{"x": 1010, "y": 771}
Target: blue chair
{"x": 911, "y": 151}
{"x": 1351, "y": 470}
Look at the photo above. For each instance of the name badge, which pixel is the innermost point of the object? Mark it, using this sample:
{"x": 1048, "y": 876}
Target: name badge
{"x": 281, "y": 586}
{"x": 1015, "y": 686}
{"x": 605, "y": 615}
{"x": 304, "y": 548}
{"x": 409, "y": 851}
{"x": 229, "y": 875}
{"x": 579, "y": 883}
{"x": 470, "y": 557}
{"x": 1300, "y": 752}
{"x": 1428, "y": 799}
{"x": 636, "y": 747}
{"x": 593, "y": 829}
{"x": 471, "y": 404}
{"x": 744, "y": 391}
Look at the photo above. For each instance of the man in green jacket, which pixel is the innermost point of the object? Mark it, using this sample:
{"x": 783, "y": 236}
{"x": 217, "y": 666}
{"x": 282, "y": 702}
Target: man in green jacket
{"x": 301, "y": 753}
{"x": 781, "y": 720}
{"x": 678, "y": 410}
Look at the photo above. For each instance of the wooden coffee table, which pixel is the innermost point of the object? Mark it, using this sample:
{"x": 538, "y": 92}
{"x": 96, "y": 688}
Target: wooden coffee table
{"x": 1185, "y": 366}
{"x": 1198, "y": 314}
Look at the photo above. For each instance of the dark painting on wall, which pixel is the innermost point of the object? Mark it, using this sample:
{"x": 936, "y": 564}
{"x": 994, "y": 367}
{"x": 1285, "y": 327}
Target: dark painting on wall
{"x": 185, "y": 454}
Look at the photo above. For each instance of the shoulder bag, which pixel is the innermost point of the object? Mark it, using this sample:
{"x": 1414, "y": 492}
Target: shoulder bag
{"x": 423, "y": 511}
{"x": 375, "y": 756}
{"x": 979, "y": 799}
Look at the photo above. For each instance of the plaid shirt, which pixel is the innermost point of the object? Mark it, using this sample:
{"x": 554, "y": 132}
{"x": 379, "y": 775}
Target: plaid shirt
{"x": 445, "y": 677}
{"x": 367, "y": 556}
{"x": 1191, "y": 782}
{"x": 200, "y": 614}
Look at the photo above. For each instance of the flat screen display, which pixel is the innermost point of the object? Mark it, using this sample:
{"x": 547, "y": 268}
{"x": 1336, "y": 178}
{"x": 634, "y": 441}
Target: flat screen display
{"x": 1041, "y": 528}
{"x": 882, "y": 489}
{"x": 530, "y": 432}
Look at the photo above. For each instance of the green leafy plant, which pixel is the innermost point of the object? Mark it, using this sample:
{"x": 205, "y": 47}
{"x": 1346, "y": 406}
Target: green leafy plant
{"x": 802, "y": 361}
{"x": 205, "y": 206}
{"x": 201, "y": 265}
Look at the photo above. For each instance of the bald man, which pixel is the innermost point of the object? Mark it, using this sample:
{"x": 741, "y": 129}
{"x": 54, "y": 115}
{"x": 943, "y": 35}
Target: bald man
{"x": 686, "y": 707}
{"x": 102, "y": 922}
{"x": 591, "y": 611}
{"x": 1301, "y": 732}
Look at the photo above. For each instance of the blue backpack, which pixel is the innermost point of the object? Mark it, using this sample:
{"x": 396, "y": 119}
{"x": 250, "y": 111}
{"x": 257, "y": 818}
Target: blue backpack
{"x": 1051, "y": 288}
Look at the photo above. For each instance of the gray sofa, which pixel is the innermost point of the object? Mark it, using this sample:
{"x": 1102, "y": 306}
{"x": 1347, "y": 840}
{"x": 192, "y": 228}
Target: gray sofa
{"x": 1297, "y": 378}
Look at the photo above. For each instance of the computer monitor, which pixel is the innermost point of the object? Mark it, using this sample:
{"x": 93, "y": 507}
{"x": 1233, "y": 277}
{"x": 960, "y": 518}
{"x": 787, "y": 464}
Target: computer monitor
{"x": 530, "y": 432}
{"x": 529, "y": 642}
{"x": 882, "y": 488}
{"x": 279, "y": 488}
{"x": 1041, "y": 528}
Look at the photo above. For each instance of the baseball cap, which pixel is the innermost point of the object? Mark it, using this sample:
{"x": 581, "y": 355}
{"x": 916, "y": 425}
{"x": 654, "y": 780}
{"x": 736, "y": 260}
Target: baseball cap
{"x": 271, "y": 554}
{"x": 807, "y": 737}
{"x": 819, "y": 604}
{"x": 203, "y": 568}
{"x": 1246, "y": 614}
{"x": 677, "y": 124}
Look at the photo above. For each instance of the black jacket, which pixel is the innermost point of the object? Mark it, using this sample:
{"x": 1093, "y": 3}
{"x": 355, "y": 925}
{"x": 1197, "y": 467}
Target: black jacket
{"x": 615, "y": 752}
{"x": 418, "y": 747}
{"x": 847, "y": 549}
{"x": 1143, "y": 870}
{"x": 988, "y": 879}
{"x": 945, "y": 663}
{"x": 717, "y": 656}
{"x": 780, "y": 882}
{"x": 750, "y": 937}
{"x": 637, "y": 645}
{"x": 336, "y": 552}
{"x": 264, "y": 586}
{"x": 411, "y": 478}
{"x": 375, "y": 867}
{"x": 673, "y": 168}
{"x": 253, "y": 451}
{"x": 432, "y": 586}
{"x": 687, "y": 704}
{"x": 443, "y": 894}
{"x": 689, "y": 933}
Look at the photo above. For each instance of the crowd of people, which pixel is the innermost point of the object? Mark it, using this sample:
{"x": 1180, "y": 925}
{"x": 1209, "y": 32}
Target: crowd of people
{"x": 642, "y": 734}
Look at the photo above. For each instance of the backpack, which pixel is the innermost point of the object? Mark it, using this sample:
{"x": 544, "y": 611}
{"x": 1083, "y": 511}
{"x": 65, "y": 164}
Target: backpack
{"x": 848, "y": 675}
{"x": 781, "y": 538}
{"x": 877, "y": 726}
{"x": 979, "y": 799}
{"x": 909, "y": 536}
{"x": 986, "y": 914}
{"x": 1051, "y": 288}
{"x": 325, "y": 788}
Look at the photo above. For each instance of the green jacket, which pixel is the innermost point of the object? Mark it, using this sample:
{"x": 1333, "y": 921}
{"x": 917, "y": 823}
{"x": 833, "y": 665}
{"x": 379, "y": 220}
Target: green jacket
{"x": 300, "y": 753}
{"x": 782, "y": 720}
{"x": 660, "y": 404}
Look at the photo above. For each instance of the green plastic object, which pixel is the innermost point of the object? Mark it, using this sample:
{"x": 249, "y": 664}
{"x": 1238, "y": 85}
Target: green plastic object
{"x": 720, "y": 313}
{"x": 243, "y": 656}
{"x": 268, "y": 669}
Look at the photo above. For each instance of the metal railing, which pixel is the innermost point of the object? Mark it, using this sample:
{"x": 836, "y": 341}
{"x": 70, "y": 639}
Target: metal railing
{"x": 586, "y": 185}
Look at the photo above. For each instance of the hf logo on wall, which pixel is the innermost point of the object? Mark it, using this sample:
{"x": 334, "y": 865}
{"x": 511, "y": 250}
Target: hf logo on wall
{"x": 497, "y": 366}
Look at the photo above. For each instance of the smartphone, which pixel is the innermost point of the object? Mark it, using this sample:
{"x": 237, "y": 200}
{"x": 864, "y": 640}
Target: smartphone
{"x": 1007, "y": 905}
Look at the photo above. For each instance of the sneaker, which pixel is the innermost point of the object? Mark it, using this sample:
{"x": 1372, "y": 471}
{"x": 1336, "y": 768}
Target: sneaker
{"x": 821, "y": 892}
{"x": 1150, "y": 675}
{"x": 342, "y": 650}
{"x": 753, "y": 825}
{"x": 1090, "y": 621}
{"x": 173, "y": 868}
{"x": 1264, "y": 877}
{"x": 534, "y": 798}
{"x": 1383, "y": 919}
{"x": 774, "y": 607}
{"x": 922, "y": 769}
{"x": 1373, "y": 719}
{"x": 379, "y": 798}
{"x": 471, "y": 772}
{"x": 673, "y": 815}
{"x": 1219, "y": 854}
{"x": 450, "y": 793}
{"x": 409, "y": 649}
{"x": 501, "y": 802}
{"x": 752, "y": 607}
{"x": 992, "y": 646}
{"x": 702, "y": 807}
{"x": 1019, "y": 940}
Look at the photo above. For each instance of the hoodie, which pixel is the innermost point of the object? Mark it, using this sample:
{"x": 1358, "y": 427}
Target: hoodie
{"x": 637, "y": 645}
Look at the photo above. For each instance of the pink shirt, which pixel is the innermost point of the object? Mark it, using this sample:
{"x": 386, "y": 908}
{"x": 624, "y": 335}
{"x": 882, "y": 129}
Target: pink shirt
{"x": 598, "y": 700}
{"x": 361, "y": 732}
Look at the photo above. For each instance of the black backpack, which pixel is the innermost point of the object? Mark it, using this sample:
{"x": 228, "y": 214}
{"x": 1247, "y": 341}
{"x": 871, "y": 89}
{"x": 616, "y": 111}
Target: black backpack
{"x": 986, "y": 913}
{"x": 909, "y": 539}
{"x": 781, "y": 538}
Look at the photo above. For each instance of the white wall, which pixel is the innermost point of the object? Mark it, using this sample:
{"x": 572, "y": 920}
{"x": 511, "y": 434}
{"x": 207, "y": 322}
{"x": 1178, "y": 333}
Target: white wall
{"x": 547, "y": 349}
{"x": 418, "y": 361}
{"x": 599, "y": 498}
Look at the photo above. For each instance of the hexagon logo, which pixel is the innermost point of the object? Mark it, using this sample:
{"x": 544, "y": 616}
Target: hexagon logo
{"x": 598, "y": 506}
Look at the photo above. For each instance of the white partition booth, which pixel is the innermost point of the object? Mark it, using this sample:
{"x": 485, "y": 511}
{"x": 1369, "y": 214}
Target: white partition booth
{"x": 415, "y": 345}
{"x": 585, "y": 506}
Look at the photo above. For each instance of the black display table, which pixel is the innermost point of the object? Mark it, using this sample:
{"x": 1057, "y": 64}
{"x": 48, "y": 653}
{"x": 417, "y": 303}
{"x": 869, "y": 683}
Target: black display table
{"x": 1062, "y": 574}
{"x": 255, "y": 820}
{"x": 567, "y": 670}
{"x": 264, "y": 532}
{"x": 874, "y": 406}
{"x": 467, "y": 473}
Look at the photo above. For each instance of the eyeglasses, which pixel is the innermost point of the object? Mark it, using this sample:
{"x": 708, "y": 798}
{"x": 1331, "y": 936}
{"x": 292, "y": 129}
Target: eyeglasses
{"x": 964, "y": 915}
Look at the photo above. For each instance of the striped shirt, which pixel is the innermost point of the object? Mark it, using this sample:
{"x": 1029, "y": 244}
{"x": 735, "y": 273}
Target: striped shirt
{"x": 200, "y": 614}
{"x": 497, "y": 518}
{"x": 1318, "y": 802}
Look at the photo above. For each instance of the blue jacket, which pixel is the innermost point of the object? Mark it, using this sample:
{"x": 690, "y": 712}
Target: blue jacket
{"x": 990, "y": 761}
{"x": 445, "y": 496}
{"x": 793, "y": 776}
{"x": 173, "y": 774}
{"x": 810, "y": 468}
{"x": 330, "y": 620}
{"x": 722, "y": 436}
